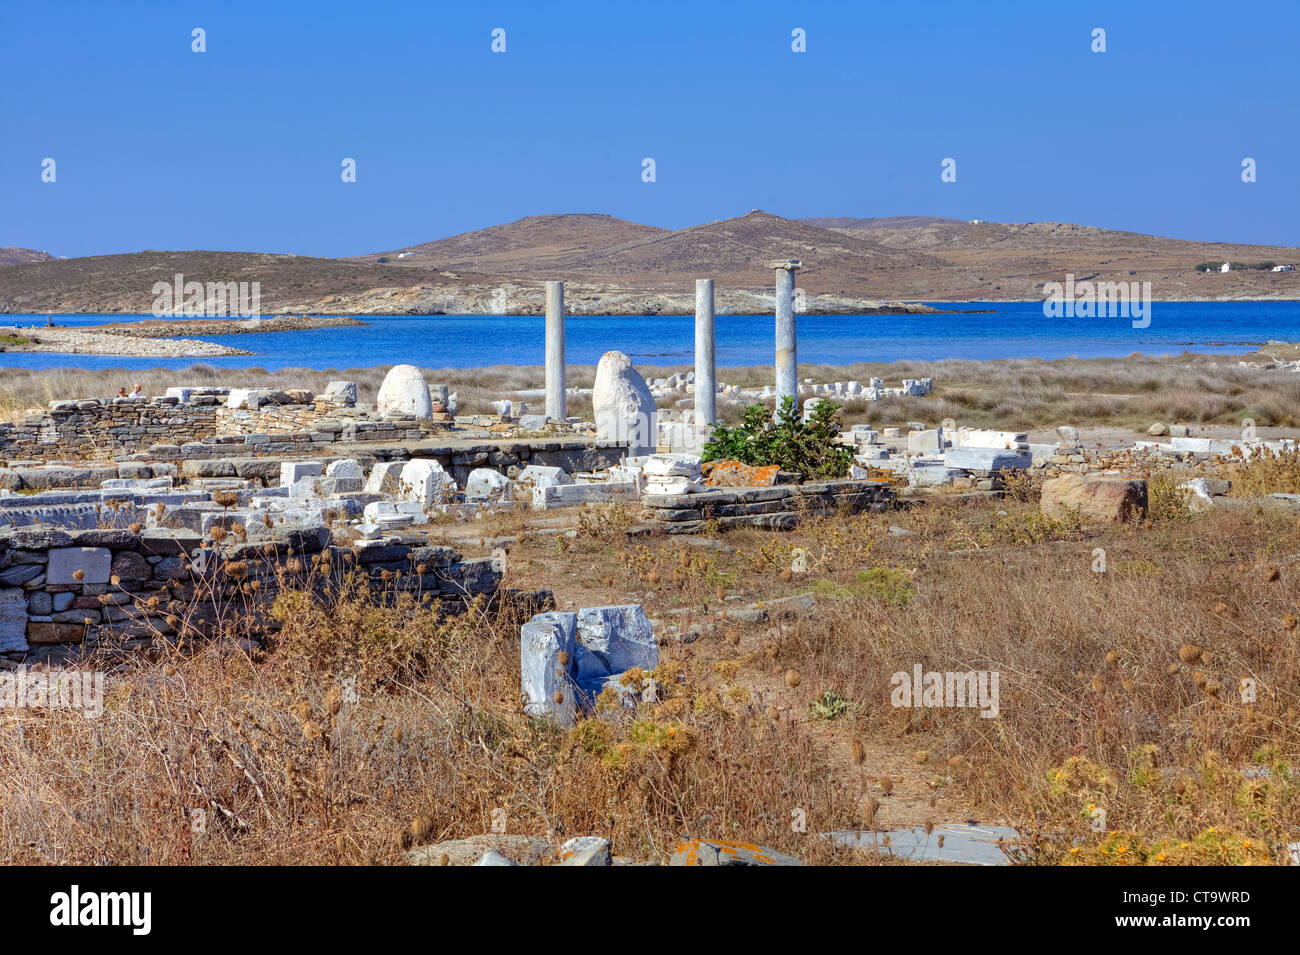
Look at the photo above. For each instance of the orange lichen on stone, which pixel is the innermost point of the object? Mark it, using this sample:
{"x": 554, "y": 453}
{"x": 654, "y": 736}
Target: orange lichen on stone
{"x": 755, "y": 853}
{"x": 735, "y": 474}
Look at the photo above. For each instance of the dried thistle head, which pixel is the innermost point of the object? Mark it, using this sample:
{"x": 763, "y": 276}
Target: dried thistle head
{"x": 421, "y": 826}
{"x": 870, "y": 807}
{"x": 1189, "y": 653}
{"x": 217, "y": 533}
{"x": 858, "y": 752}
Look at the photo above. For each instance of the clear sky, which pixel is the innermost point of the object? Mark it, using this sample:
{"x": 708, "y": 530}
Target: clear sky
{"x": 240, "y": 147}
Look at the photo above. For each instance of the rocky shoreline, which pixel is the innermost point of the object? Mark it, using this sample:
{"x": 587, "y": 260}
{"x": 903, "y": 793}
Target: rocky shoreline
{"x": 79, "y": 341}
{"x": 172, "y": 327}
{"x": 511, "y": 298}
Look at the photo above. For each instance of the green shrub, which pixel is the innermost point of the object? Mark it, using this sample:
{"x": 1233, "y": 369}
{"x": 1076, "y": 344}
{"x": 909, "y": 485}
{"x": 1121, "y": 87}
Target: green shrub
{"x": 808, "y": 447}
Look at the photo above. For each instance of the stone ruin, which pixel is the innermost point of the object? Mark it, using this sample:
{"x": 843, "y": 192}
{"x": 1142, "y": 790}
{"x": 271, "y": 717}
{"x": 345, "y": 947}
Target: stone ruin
{"x": 568, "y": 660}
{"x": 64, "y": 592}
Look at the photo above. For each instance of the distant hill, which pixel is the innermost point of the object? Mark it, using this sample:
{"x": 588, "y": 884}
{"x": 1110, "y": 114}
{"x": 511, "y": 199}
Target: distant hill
{"x": 12, "y": 255}
{"x": 618, "y": 267}
{"x": 598, "y": 248}
{"x": 124, "y": 283}
{"x": 539, "y": 241}
{"x": 889, "y": 222}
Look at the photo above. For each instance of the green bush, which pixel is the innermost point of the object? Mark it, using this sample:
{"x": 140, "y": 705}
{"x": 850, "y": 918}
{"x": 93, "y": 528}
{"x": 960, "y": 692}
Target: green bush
{"x": 808, "y": 447}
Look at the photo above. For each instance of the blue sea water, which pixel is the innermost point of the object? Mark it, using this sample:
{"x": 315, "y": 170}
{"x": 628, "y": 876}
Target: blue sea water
{"x": 981, "y": 330}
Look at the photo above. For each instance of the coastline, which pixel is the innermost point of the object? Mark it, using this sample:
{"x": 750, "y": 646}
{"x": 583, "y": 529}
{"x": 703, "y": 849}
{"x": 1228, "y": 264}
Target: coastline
{"x": 77, "y": 341}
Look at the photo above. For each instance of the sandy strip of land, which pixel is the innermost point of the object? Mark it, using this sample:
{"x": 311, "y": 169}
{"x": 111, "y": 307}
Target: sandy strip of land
{"x": 81, "y": 341}
{"x": 172, "y": 327}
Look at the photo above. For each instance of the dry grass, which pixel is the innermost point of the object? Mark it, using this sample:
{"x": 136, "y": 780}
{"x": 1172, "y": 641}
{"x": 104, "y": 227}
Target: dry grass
{"x": 1015, "y": 394}
{"x": 284, "y": 769}
{"x": 1118, "y": 690}
{"x": 1098, "y": 707}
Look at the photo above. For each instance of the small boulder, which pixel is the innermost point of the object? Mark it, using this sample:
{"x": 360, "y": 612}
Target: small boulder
{"x": 1094, "y": 500}
{"x": 342, "y": 392}
{"x": 485, "y": 484}
{"x": 1158, "y": 430}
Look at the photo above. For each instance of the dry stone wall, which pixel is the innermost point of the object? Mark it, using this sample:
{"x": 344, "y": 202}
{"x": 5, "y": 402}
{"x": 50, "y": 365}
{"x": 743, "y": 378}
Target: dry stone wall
{"x": 780, "y": 507}
{"x": 188, "y": 424}
{"x": 63, "y": 592}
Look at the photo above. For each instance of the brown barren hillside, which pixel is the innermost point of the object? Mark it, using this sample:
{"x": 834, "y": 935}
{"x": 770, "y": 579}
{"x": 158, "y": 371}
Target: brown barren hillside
{"x": 1010, "y": 261}
{"x": 12, "y": 255}
{"x": 124, "y": 283}
{"x": 530, "y": 244}
{"x": 619, "y": 267}
{"x": 887, "y": 222}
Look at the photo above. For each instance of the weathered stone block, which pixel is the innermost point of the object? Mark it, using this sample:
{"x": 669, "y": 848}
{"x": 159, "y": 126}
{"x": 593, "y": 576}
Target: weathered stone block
{"x": 620, "y": 636}
{"x": 13, "y": 620}
{"x": 291, "y": 472}
{"x": 93, "y": 563}
{"x": 546, "y": 646}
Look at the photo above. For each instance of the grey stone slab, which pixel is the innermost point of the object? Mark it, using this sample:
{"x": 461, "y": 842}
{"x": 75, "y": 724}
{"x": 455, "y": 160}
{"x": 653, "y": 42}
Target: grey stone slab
{"x": 93, "y": 563}
{"x": 973, "y": 845}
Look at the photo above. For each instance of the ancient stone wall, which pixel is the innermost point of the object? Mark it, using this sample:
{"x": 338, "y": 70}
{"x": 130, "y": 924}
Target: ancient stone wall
{"x": 171, "y": 429}
{"x": 302, "y": 416}
{"x": 65, "y": 591}
{"x": 779, "y": 507}
{"x": 94, "y": 429}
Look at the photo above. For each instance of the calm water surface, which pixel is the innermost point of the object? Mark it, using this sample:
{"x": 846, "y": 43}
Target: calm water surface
{"x": 1009, "y": 330}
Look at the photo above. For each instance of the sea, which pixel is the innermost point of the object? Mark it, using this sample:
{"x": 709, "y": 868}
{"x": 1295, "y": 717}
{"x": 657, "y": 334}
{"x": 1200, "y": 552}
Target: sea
{"x": 971, "y": 330}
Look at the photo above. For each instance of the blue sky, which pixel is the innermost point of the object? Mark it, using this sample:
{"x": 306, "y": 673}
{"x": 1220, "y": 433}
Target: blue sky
{"x": 158, "y": 147}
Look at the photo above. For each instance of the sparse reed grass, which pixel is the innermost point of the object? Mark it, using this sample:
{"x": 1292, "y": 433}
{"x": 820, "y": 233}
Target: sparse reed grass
{"x": 1022, "y": 394}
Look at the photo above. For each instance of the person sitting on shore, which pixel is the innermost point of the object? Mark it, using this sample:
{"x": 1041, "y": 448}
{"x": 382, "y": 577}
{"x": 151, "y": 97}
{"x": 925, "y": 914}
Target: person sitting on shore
{"x": 136, "y": 392}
